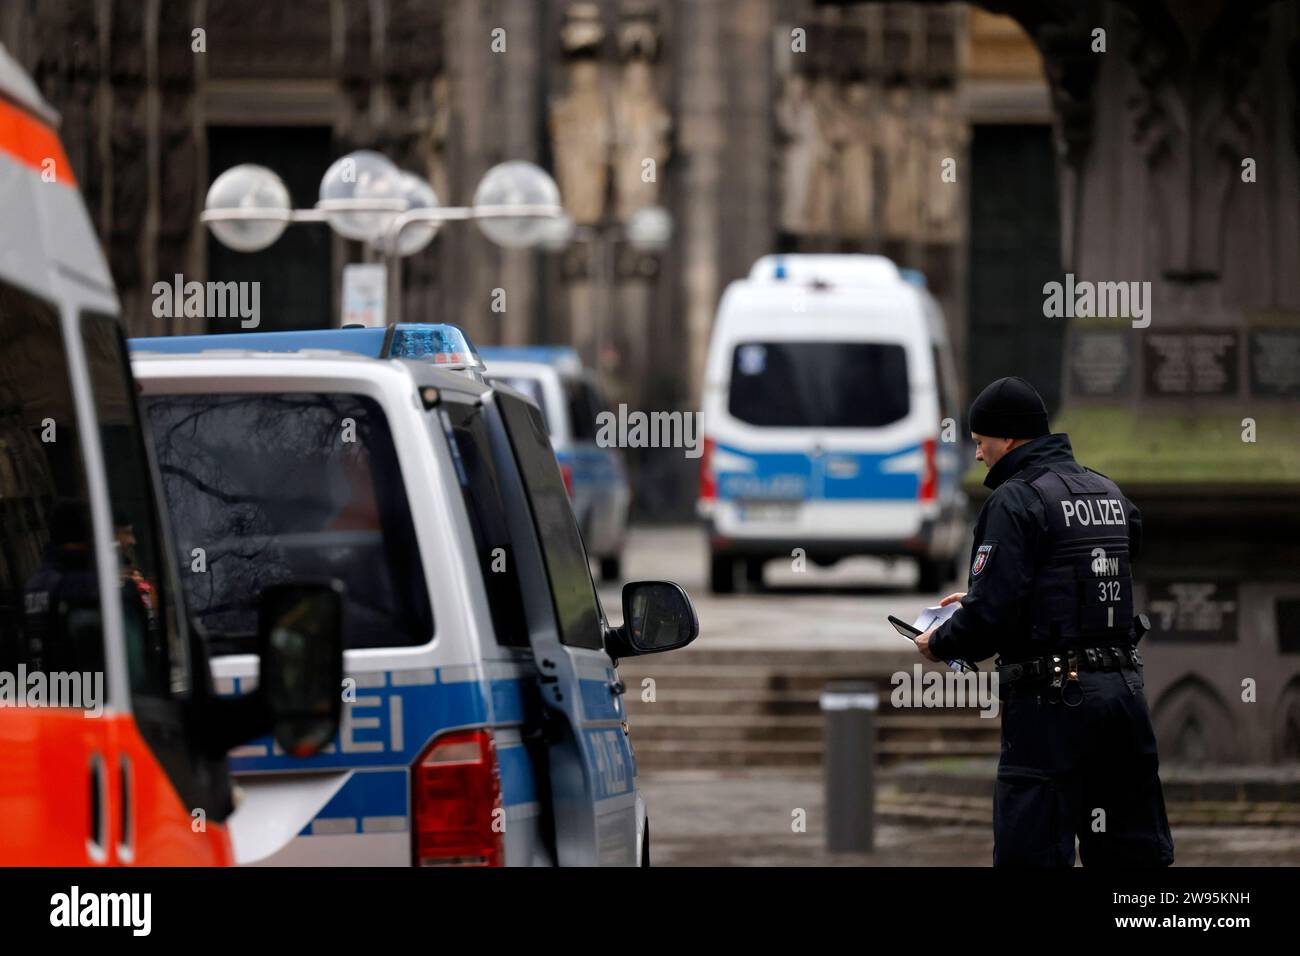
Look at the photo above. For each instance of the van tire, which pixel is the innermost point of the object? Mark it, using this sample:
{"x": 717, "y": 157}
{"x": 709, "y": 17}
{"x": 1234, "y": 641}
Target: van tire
{"x": 930, "y": 575}
{"x": 722, "y": 574}
{"x": 754, "y": 573}
{"x": 611, "y": 568}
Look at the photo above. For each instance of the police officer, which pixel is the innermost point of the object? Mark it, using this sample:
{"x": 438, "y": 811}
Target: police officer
{"x": 1050, "y": 593}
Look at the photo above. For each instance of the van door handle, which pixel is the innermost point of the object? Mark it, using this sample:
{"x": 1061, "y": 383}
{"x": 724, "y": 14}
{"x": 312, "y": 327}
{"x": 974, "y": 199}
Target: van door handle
{"x": 617, "y": 687}
{"x": 97, "y": 842}
{"x": 126, "y": 829}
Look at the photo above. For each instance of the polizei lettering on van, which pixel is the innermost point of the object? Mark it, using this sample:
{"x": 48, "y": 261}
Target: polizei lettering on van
{"x": 1087, "y": 511}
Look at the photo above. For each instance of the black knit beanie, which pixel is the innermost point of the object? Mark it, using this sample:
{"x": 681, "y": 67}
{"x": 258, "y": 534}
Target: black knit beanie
{"x": 1009, "y": 408}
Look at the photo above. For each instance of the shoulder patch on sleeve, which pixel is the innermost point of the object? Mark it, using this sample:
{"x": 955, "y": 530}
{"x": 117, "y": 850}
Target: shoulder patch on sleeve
{"x": 983, "y": 555}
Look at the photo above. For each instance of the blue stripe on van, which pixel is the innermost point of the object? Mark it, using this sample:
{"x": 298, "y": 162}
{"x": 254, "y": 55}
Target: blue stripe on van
{"x": 793, "y": 475}
{"x": 598, "y": 701}
{"x": 425, "y": 710}
{"x": 386, "y": 727}
{"x": 518, "y": 779}
{"x": 507, "y": 701}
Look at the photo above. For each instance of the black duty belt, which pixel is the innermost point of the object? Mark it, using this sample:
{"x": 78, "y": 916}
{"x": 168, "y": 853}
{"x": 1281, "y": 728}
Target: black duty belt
{"x": 1057, "y": 668}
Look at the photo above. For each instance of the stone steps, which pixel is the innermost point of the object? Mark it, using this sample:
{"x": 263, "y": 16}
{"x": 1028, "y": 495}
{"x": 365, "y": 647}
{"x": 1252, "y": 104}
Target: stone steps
{"x": 759, "y": 707}
{"x": 677, "y": 754}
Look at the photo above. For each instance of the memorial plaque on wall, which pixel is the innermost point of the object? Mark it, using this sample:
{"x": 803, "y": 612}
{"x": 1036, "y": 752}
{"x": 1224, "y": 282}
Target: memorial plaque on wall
{"x": 1192, "y": 610}
{"x": 1101, "y": 363}
{"x": 1190, "y": 363}
{"x": 1275, "y": 363}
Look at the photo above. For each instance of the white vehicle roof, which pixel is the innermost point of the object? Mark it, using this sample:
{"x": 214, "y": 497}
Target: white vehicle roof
{"x": 839, "y": 270}
{"x": 51, "y": 249}
{"x": 232, "y": 367}
{"x": 17, "y": 86}
{"x": 898, "y": 314}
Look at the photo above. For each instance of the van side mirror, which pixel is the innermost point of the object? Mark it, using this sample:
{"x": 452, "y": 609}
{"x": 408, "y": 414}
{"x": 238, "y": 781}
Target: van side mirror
{"x": 300, "y": 640}
{"x": 657, "y": 616}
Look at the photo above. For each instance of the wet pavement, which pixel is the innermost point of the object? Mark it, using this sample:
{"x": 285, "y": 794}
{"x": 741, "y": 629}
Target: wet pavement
{"x": 751, "y": 818}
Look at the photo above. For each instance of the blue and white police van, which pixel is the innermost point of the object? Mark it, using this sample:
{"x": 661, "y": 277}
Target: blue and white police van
{"x": 571, "y": 400}
{"x": 483, "y": 719}
{"x": 827, "y": 383}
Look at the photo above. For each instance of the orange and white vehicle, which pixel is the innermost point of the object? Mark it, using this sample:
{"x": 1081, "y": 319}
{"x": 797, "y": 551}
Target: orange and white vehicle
{"x": 112, "y": 744}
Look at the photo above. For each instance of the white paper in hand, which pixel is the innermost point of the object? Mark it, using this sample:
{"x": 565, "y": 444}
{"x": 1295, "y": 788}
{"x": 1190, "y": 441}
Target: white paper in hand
{"x": 933, "y": 617}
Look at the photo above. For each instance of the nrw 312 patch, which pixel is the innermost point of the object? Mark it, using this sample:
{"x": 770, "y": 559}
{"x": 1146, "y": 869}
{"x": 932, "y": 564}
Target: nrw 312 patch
{"x": 983, "y": 554}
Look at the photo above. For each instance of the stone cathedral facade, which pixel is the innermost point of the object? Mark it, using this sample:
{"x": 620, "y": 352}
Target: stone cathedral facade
{"x": 759, "y": 125}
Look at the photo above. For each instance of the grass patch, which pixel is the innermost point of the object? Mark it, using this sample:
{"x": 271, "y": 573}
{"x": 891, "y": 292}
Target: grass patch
{"x": 1145, "y": 447}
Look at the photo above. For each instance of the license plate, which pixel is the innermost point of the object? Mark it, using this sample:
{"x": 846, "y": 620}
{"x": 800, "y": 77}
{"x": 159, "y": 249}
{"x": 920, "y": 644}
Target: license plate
{"x": 769, "y": 510}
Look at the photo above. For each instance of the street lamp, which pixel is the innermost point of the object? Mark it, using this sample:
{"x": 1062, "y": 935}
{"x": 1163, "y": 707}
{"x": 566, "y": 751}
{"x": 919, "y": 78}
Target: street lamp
{"x": 255, "y": 190}
{"x": 506, "y": 187}
{"x": 356, "y": 183}
{"x": 363, "y": 196}
{"x": 649, "y": 229}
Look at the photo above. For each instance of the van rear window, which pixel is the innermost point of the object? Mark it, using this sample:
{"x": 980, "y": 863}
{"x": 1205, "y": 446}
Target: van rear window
{"x": 818, "y": 384}
{"x": 267, "y": 488}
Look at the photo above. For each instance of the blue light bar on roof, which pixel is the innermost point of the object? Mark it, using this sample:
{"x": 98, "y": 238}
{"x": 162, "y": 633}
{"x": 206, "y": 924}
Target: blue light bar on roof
{"x": 443, "y": 345}
{"x": 440, "y": 344}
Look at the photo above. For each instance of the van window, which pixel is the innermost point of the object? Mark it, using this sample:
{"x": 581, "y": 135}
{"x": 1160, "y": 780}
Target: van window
{"x": 50, "y": 616}
{"x": 157, "y": 659}
{"x": 818, "y": 384}
{"x": 266, "y": 488}
{"x": 567, "y": 568}
{"x": 471, "y": 450}
{"x": 584, "y": 405}
{"x": 526, "y": 385}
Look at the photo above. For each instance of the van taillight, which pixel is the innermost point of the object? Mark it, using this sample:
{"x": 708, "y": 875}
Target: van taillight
{"x": 567, "y": 474}
{"x": 456, "y": 803}
{"x": 930, "y": 476}
{"x": 708, "y": 481}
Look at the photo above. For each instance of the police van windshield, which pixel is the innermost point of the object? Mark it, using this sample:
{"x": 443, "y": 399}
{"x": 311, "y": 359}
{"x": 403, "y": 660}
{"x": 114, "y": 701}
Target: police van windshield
{"x": 265, "y": 488}
{"x": 818, "y": 384}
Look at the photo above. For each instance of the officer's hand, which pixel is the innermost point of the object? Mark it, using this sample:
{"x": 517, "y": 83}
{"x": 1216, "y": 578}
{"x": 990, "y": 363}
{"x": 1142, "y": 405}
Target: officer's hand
{"x": 923, "y": 644}
{"x": 955, "y": 596}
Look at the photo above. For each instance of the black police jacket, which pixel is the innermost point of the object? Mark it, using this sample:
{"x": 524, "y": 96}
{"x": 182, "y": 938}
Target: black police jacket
{"x": 1011, "y": 535}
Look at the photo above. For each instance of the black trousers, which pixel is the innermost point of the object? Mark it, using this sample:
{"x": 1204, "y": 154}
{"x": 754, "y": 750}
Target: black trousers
{"x": 1088, "y": 771}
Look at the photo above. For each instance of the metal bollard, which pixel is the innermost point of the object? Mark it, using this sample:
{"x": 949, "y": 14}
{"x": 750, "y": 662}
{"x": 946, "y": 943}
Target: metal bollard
{"x": 848, "y": 761}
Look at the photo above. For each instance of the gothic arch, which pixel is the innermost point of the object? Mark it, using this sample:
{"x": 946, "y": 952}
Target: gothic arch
{"x": 1194, "y": 725}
